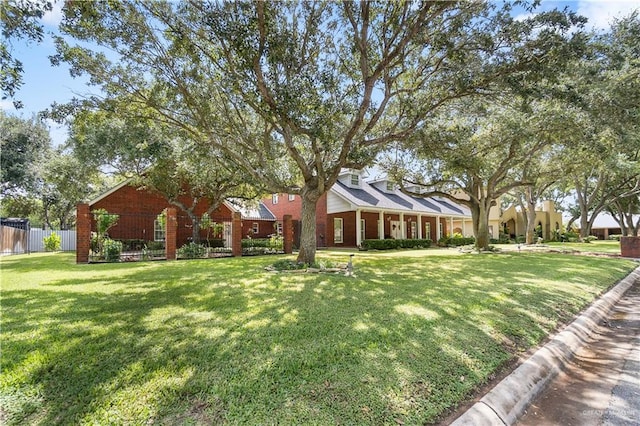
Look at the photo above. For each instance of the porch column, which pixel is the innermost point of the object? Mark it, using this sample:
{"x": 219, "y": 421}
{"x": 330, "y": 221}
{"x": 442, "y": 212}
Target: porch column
{"x": 419, "y": 226}
{"x": 381, "y": 225}
{"x": 358, "y": 228}
{"x": 403, "y": 226}
{"x": 438, "y": 236}
{"x": 451, "y": 225}
{"x": 464, "y": 230}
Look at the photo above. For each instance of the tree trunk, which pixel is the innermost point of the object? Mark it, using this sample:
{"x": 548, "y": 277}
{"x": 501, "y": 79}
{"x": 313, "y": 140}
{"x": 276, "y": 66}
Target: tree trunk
{"x": 482, "y": 238}
{"x": 307, "y": 253}
{"x": 480, "y": 219}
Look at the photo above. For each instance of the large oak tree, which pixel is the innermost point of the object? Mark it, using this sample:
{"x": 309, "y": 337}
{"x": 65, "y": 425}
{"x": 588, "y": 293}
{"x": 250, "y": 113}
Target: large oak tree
{"x": 294, "y": 91}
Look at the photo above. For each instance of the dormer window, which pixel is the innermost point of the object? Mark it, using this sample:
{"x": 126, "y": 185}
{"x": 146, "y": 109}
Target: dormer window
{"x": 355, "y": 180}
{"x": 390, "y": 186}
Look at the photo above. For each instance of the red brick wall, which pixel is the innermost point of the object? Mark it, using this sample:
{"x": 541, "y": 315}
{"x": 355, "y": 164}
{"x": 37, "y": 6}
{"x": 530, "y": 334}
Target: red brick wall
{"x": 370, "y": 225}
{"x": 630, "y": 247}
{"x": 265, "y": 228}
{"x": 294, "y": 208}
{"x": 83, "y": 233}
{"x": 138, "y": 209}
{"x": 348, "y": 229}
{"x": 322, "y": 233}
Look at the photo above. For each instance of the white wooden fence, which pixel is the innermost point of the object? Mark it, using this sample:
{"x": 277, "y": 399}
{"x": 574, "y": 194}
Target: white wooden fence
{"x": 36, "y": 235}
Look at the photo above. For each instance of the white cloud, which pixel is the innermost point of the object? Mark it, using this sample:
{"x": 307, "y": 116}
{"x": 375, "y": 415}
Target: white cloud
{"x": 6, "y": 105}
{"x": 54, "y": 16}
{"x": 601, "y": 12}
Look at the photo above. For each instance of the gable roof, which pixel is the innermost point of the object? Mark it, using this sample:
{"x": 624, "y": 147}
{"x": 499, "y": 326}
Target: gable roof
{"x": 259, "y": 212}
{"x": 368, "y": 196}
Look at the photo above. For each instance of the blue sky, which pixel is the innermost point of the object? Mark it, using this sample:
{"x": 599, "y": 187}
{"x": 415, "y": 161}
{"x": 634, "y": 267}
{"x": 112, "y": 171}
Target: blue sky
{"x": 44, "y": 84}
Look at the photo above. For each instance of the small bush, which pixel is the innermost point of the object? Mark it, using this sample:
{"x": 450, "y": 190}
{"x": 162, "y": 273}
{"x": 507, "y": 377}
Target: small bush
{"x": 191, "y": 251}
{"x": 615, "y": 237}
{"x": 53, "y": 242}
{"x": 521, "y": 239}
{"x": 288, "y": 265}
{"x": 111, "y": 250}
{"x": 590, "y": 238}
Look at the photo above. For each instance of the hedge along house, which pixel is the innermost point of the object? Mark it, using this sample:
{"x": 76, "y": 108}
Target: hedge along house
{"x": 354, "y": 210}
{"x": 139, "y": 209}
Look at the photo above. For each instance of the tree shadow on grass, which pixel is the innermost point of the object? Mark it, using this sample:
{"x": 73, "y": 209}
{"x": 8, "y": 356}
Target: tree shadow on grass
{"x": 190, "y": 343}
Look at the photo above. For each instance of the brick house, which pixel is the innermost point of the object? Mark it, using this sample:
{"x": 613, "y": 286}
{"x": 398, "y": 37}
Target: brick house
{"x": 354, "y": 210}
{"x": 138, "y": 211}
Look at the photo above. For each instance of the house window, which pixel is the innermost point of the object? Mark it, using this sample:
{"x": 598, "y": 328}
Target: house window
{"x": 427, "y": 230}
{"x": 292, "y": 197}
{"x": 279, "y": 228}
{"x": 355, "y": 180}
{"x": 337, "y": 230}
{"x": 413, "y": 229}
{"x": 274, "y": 199}
{"x": 390, "y": 186}
{"x": 255, "y": 228}
{"x": 362, "y": 230}
{"x": 441, "y": 230}
{"x": 158, "y": 230}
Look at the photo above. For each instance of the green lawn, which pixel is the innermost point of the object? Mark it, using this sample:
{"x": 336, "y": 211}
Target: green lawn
{"x": 599, "y": 246}
{"x": 215, "y": 341}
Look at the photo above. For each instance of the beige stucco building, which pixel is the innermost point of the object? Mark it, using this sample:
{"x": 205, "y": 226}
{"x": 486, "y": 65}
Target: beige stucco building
{"x": 547, "y": 218}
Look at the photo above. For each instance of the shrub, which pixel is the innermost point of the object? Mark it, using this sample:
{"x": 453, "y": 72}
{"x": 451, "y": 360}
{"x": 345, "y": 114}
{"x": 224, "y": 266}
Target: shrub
{"x": 521, "y": 239}
{"x": 590, "y": 238}
{"x": 111, "y": 250}
{"x": 456, "y": 241}
{"x": 155, "y": 245}
{"x": 255, "y": 242}
{"x": 53, "y": 242}
{"x": 215, "y": 242}
{"x": 615, "y": 237}
{"x": 132, "y": 244}
{"x": 389, "y": 244}
{"x": 191, "y": 251}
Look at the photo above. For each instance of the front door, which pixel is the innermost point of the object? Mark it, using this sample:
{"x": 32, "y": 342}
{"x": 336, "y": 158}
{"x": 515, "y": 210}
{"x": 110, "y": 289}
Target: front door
{"x": 396, "y": 231}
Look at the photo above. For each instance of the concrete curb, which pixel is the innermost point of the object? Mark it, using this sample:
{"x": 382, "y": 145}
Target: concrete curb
{"x": 508, "y": 400}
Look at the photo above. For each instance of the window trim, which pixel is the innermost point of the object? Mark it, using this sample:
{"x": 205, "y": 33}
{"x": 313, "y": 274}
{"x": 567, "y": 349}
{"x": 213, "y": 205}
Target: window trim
{"x": 355, "y": 179}
{"x": 255, "y": 227}
{"x": 274, "y": 199}
{"x": 292, "y": 197}
{"x": 427, "y": 230}
{"x": 158, "y": 230}
{"x": 338, "y": 231}
{"x": 363, "y": 233}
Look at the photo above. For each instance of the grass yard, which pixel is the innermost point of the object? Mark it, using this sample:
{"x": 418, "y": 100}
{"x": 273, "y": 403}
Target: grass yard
{"x": 598, "y": 246}
{"x": 223, "y": 341}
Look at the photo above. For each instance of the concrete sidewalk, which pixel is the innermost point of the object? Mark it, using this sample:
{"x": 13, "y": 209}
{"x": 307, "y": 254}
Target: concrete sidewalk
{"x": 601, "y": 385}
{"x": 602, "y": 345}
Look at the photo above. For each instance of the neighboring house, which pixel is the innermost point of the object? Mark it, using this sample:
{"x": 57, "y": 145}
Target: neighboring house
{"x": 605, "y": 225}
{"x": 547, "y": 218}
{"x": 354, "y": 210}
{"x": 139, "y": 209}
